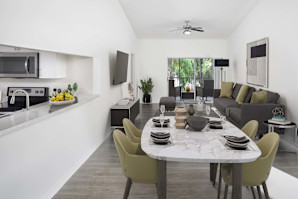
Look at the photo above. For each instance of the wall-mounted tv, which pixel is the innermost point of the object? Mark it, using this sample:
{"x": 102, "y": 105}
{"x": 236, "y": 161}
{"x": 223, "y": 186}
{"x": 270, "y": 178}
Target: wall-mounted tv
{"x": 221, "y": 63}
{"x": 120, "y": 73}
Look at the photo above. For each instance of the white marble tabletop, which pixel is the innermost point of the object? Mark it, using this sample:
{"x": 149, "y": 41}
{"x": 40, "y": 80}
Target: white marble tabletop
{"x": 205, "y": 146}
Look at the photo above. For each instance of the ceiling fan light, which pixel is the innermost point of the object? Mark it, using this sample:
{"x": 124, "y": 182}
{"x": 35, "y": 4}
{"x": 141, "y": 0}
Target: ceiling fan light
{"x": 186, "y": 32}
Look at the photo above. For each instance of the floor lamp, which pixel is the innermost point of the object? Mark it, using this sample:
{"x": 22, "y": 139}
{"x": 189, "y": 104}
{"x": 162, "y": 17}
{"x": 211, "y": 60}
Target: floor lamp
{"x": 221, "y": 63}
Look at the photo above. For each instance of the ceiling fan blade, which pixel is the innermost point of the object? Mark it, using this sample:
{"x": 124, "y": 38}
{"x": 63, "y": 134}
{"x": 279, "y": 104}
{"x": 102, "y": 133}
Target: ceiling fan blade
{"x": 176, "y": 30}
{"x": 197, "y": 30}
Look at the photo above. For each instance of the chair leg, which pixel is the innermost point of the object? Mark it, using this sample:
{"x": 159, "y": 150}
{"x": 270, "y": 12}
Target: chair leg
{"x": 265, "y": 190}
{"x": 253, "y": 192}
{"x": 127, "y": 188}
{"x": 215, "y": 173}
{"x": 226, "y": 191}
{"x": 219, "y": 184}
{"x": 259, "y": 192}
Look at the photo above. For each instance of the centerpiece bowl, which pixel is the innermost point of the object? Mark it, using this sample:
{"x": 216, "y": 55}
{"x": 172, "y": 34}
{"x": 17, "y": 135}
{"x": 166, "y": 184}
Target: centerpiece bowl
{"x": 197, "y": 123}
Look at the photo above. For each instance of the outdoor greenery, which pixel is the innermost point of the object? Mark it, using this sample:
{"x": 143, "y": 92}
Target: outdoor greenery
{"x": 146, "y": 86}
{"x": 184, "y": 69}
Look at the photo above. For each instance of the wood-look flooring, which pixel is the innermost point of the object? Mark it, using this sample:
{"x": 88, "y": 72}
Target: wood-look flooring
{"x": 101, "y": 175}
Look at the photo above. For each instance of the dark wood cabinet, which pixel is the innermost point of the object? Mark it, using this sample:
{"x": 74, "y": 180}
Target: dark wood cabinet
{"x": 172, "y": 89}
{"x": 119, "y": 112}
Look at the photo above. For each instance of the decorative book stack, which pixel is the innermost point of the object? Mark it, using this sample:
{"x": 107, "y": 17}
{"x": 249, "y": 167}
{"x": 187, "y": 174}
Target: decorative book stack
{"x": 279, "y": 120}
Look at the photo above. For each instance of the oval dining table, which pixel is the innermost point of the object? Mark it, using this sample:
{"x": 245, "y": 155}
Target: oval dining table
{"x": 206, "y": 146}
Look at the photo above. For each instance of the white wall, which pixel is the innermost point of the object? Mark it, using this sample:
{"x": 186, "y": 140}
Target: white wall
{"x": 153, "y": 55}
{"x": 274, "y": 19}
{"x": 94, "y": 28}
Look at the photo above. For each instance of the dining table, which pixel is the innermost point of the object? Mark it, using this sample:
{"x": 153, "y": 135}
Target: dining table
{"x": 205, "y": 146}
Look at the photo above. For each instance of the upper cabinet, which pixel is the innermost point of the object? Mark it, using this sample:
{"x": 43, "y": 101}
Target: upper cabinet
{"x": 52, "y": 65}
{"x": 26, "y": 63}
{"x": 9, "y": 49}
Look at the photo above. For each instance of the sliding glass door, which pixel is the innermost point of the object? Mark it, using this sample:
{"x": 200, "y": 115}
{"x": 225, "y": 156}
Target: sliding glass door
{"x": 190, "y": 70}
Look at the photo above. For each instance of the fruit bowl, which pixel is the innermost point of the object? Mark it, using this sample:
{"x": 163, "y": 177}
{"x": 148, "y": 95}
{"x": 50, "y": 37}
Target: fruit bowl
{"x": 62, "y": 102}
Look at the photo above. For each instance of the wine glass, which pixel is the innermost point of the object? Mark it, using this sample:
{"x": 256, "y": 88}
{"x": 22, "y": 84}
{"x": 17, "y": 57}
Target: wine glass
{"x": 161, "y": 120}
{"x": 162, "y": 109}
{"x": 208, "y": 110}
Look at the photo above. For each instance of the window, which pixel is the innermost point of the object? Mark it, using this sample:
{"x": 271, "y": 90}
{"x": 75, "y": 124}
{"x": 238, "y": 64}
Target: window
{"x": 190, "y": 70}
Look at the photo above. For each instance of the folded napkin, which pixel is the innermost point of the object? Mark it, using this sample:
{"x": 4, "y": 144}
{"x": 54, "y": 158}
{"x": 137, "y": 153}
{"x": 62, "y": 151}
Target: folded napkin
{"x": 159, "y": 125}
{"x": 158, "y": 121}
{"x": 214, "y": 122}
{"x": 160, "y": 135}
{"x": 235, "y": 139}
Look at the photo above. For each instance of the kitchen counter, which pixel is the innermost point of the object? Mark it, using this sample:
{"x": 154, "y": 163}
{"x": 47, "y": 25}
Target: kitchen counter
{"x": 36, "y": 113}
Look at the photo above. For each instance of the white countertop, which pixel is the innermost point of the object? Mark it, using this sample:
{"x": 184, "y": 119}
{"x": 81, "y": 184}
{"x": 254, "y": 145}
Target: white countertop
{"x": 23, "y": 118}
{"x": 204, "y": 146}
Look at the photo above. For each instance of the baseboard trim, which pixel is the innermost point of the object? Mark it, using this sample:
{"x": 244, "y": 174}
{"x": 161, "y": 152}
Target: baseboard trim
{"x": 54, "y": 190}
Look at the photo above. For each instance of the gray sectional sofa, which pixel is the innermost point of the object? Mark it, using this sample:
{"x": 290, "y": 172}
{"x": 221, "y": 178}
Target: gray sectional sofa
{"x": 240, "y": 114}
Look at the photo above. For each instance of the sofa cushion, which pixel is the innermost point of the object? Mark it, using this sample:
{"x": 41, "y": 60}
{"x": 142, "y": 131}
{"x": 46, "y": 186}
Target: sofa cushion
{"x": 249, "y": 94}
{"x": 223, "y": 103}
{"x": 272, "y": 97}
{"x": 236, "y": 90}
{"x": 235, "y": 114}
{"x": 242, "y": 94}
{"x": 226, "y": 89}
{"x": 259, "y": 97}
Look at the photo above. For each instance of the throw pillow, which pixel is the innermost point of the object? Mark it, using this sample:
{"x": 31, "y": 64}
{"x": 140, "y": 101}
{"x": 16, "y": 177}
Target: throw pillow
{"x": 259, "y": 97}
{"x": 226, "y": 89}
{"x": 236, "y": 90}
{"x": 249, "y": 94}
{"x": 272, "y": 97}
{"x": 242, "y": 94}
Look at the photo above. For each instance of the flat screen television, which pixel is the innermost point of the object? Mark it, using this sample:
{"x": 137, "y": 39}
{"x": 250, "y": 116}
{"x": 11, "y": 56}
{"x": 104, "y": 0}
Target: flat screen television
{"x": 120, "y": 73}
{"x": 221, "y": 63}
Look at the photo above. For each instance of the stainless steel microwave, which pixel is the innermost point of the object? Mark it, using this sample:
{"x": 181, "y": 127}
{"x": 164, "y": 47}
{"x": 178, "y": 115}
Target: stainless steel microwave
{"x": 19, "y": 65}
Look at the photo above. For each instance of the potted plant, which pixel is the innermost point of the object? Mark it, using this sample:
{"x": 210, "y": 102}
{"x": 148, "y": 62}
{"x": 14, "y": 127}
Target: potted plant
{"x": 146, "y": 87}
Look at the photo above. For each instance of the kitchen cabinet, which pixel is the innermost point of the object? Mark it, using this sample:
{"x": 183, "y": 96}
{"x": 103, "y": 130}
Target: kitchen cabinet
{"x": 9, "y": 49}
{"x": 52, "y": 65}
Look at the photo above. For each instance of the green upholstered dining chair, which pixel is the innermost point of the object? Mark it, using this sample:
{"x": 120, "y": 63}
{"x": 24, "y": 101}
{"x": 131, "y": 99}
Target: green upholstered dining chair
{"x": 136, "y": 165}
{"x": 250, "y": 129}
{"x": 255, "y": 173}
{"x": 133, "y": 133}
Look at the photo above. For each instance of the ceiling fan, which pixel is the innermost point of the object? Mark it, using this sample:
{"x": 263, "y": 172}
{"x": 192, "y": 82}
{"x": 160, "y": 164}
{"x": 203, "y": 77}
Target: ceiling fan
{"x": 187, "y": 28}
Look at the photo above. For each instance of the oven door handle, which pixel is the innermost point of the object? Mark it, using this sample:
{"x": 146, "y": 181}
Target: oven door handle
{"x": 26, "y": 65}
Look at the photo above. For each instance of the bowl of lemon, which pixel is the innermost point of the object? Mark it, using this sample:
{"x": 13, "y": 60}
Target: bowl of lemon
{"x": 62, "y": 98}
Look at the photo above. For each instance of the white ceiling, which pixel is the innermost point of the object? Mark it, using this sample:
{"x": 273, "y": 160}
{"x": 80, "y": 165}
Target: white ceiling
{"x": 153, "y": 19}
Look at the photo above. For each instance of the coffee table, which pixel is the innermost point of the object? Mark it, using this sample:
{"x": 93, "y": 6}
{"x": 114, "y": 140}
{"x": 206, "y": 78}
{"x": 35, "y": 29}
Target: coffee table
{"x": 187, "y": 95}
{"x": 197, "y": 113}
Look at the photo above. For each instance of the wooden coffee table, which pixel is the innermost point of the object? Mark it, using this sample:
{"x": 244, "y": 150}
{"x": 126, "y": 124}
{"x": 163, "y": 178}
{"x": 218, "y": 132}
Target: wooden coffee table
{"x": 187, "y": 95}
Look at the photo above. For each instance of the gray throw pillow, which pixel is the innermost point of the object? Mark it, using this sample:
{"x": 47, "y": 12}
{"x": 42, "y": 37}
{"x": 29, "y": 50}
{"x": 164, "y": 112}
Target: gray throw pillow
{"x": 249, "y": 94}
{"x": 272, "y": 97}
{"x": 236, "y": 90}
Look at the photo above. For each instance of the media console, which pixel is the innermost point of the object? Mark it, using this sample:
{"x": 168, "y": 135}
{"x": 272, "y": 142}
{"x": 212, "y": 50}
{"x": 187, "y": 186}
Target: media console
{"x": 119, "y": 112}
